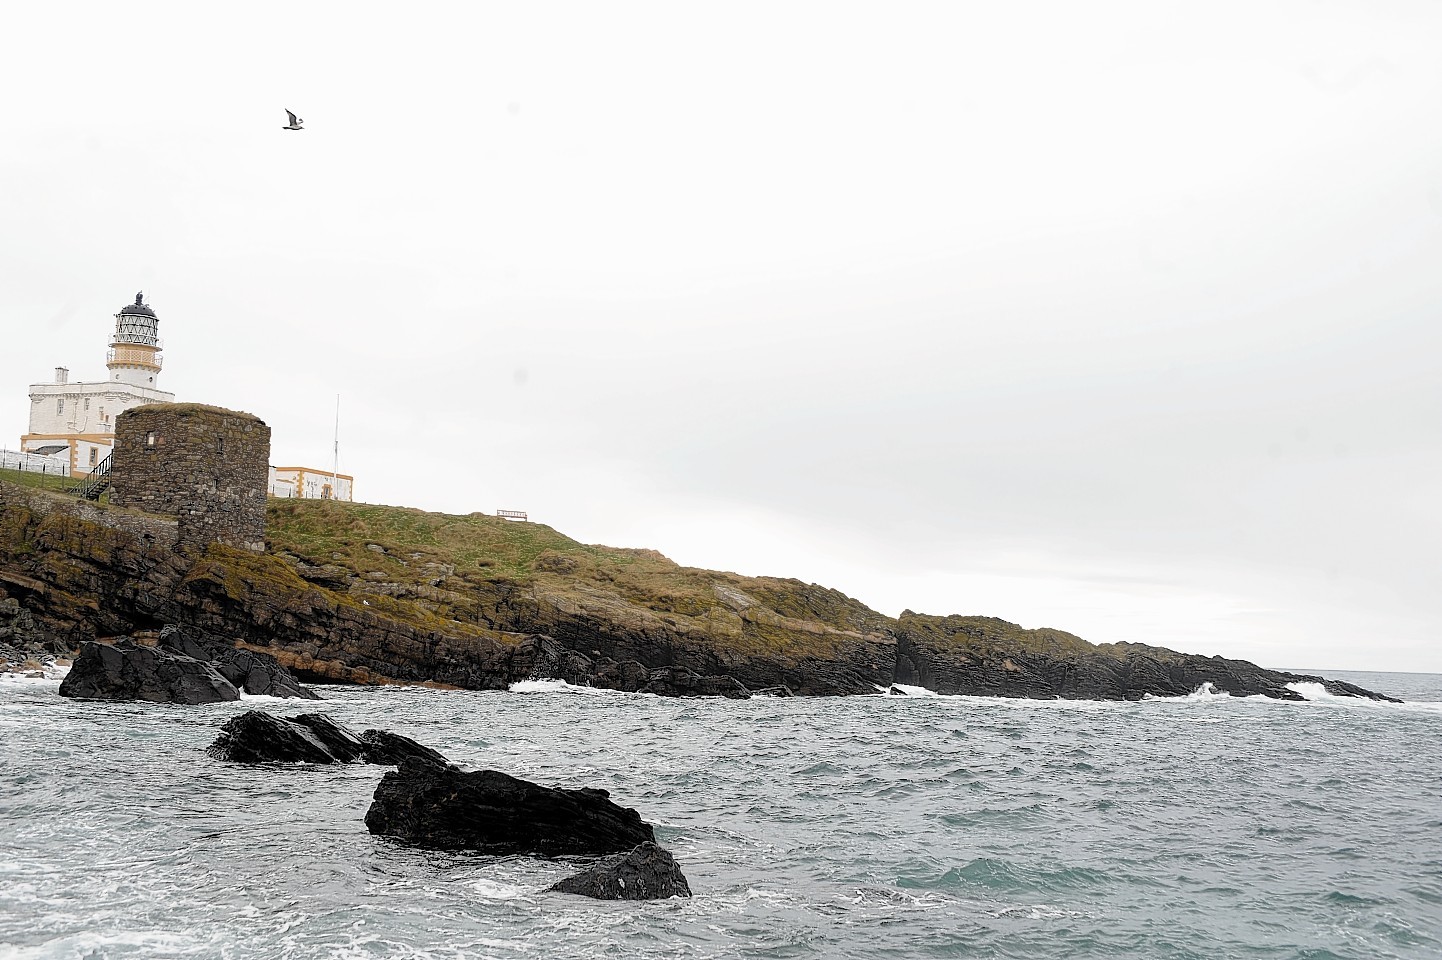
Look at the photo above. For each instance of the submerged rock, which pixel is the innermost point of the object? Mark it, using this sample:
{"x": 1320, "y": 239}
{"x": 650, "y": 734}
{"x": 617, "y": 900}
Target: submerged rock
{"x": 488, "y": 811}
{"x": 126, "y": 671}
{"x": 647, "y": 872}
{"x": 258, "y": 737}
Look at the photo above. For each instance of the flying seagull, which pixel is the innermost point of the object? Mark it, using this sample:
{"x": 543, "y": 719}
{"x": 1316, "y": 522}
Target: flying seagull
{"x": 294, "y": 122}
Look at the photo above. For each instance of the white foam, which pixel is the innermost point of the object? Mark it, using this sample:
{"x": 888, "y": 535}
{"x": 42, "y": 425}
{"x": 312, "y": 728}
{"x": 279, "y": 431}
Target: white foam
{"x": 1043, "y": 911}
{"x": 913, "y": 691}
{"x": 1208, "y": 692}
{"x": 144, "y": 942}
{"x": 1203, "y": 694}
{"x": 1313, "y": 691}
{"x": 561, "y": 686}
{"x": 495, "y": 890}
{"x": 21, "y": 680}
{"x": 50, "y": 673}
{"x": 1317, "y": 693}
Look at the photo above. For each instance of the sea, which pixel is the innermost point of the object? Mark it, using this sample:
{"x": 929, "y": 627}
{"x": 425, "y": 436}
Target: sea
{"x": 1194, "y": 828}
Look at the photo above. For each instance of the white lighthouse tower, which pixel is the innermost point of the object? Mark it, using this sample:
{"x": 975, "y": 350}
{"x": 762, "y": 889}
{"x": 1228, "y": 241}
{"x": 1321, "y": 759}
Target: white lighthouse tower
{"x": 75, "y": 422}
{"x": 134, "y": 356}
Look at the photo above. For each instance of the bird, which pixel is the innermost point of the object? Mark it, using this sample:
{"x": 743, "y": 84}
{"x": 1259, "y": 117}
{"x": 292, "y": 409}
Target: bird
{"x": 295, "y": 122}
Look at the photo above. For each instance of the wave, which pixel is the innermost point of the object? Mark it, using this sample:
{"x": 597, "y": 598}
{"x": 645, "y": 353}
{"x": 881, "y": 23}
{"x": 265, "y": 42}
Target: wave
{"x": 49, "y": 673}
{"x": 908, "y": 690}
{"x": 1317, "y": 693}
{"x": 561, "y": 686}
{"x": 1314, "y": 691}
{"x": 1205, "y": 693}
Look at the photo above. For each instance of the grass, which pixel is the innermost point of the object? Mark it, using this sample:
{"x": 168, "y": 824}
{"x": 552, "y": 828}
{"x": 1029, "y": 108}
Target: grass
{"x": 402, "y": 540}
{"x": 41, "y": 481}
{"x": 442, "y": 572}
{"x": 444, "y": 561}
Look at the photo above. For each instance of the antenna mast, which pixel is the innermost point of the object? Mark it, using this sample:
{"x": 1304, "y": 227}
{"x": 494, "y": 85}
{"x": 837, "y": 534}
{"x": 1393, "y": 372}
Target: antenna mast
{"x": 335, "y": 452}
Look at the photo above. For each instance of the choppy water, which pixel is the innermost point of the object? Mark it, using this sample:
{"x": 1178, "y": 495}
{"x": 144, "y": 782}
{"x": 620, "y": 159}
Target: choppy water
{"x": 1204, "y": 827}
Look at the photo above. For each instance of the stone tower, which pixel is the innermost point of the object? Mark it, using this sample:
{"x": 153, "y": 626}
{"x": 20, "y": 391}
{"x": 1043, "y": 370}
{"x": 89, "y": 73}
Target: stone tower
{"x": 134, "y": 356}
{"x": 203, "y": 465}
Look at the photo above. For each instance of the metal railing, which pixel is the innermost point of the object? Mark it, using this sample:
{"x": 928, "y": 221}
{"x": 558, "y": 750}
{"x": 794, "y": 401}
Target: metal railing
{"x": 144, "y": 358}
{"x": 96, "y": 483}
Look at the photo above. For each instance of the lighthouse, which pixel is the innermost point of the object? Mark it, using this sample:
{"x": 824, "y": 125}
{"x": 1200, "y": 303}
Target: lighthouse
{"x": 74, "y": 422}
{"x": 134, "y": 355}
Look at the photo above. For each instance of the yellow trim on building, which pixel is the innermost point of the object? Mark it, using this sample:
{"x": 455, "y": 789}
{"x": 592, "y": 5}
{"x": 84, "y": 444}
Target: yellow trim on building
{"x": 105, "y": 438}
{"x": 318, "y": 473}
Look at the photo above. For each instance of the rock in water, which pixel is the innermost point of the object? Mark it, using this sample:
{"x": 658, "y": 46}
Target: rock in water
{"x": 256, "y": 673}
{"x": 345, "y": 746}
{"x": 681, "y": 682}
{"x": 125, "y": 671}
{"x": 257, "y": 737}
{"x": 392, "y": 749}
{"x": 646, "y": 873}
{"x": 444, "y": 808}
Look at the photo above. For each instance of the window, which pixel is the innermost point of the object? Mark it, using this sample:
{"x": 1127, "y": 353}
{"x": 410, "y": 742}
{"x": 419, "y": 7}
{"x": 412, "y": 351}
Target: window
{"x": 59, "y": 406}
{"x": 150, "y": 439}
{"x": 219, "y": 445}
{"x": 87, "y": 403}
{"x": 93, "y": 452}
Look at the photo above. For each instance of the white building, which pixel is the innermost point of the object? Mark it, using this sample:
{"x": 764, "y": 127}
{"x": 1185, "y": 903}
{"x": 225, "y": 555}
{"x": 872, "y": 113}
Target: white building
{"x": 310, "y": 483}
{"x": 75, "y": 422}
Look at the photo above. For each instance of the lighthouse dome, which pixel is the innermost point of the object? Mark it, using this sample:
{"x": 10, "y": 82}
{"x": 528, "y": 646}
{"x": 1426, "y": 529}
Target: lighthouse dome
{"x": 137, "y": 309}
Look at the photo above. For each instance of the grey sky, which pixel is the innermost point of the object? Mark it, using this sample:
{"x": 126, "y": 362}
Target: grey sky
{"x": 1119, "y": 318}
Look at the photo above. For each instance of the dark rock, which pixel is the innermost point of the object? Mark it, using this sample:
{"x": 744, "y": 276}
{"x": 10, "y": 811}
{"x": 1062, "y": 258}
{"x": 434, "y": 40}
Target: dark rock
{"x": 126, "y": 671}
{"x": 261, "y": 674}
{"x": 680, "y": 682}
{"x": 391, "y": 749}
{"x": 629, "y": 675}
{"x": 345, "y": 746}
{"x": 444, "y": 808}
{"x": 645, "y": 873}
{"x": 256, "y": 673}
{"x": 18, "y": 628}
{"x": 984, "y": 656}
{"x": 781, "y": 691}
{"x": 257, "y": 737}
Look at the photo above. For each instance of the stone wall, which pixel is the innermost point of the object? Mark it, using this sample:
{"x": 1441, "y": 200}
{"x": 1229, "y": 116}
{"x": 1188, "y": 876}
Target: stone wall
{"x": 205, "y": 466}
{"x": 43, "y": 503}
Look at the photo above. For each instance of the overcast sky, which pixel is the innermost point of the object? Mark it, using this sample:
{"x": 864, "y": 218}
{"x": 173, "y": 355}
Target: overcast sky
{"x": 1114, "y": 317}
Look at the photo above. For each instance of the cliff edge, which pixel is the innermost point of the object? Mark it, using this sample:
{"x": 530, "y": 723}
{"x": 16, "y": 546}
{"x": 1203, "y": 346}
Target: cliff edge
{"x": 357, "y": 593}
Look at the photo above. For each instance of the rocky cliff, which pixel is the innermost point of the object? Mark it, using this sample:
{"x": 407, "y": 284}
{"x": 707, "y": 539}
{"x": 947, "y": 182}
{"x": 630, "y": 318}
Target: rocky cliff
{"x": 353, "y": 593}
